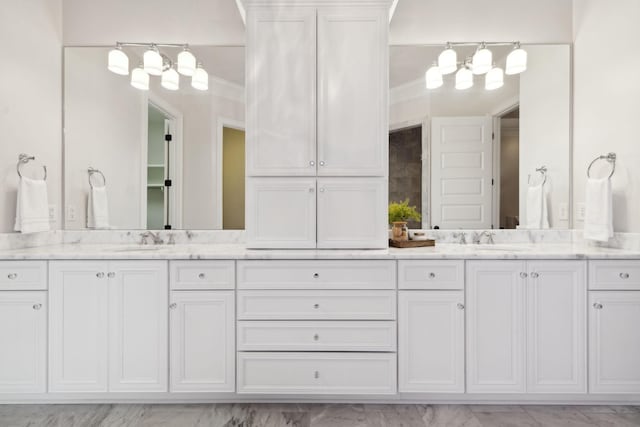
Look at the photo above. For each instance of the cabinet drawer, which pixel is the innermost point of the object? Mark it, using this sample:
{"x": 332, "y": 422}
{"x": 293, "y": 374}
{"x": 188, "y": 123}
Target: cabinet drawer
{"x": 322, "y": 274}
{"x": 431, "y": 274}
{"x": 23, "y": 275}
{"x": 317, "y": 373}
{"x": 316, "y": 336}
{"x": 614, "y": 274}
{"x": 202, "y": 274}
{"x": 316, "y": 305}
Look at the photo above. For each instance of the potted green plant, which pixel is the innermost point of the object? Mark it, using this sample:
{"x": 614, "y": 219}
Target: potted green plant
{"x": 399, "y": 214}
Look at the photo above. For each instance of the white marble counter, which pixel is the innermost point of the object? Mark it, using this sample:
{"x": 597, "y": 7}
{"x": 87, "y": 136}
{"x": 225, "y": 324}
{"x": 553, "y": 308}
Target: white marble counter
{"x": 239, "y": 251}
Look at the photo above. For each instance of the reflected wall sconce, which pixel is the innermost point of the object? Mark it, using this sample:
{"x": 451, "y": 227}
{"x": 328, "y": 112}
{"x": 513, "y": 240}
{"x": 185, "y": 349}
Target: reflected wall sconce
{"x": 156, "y": 63}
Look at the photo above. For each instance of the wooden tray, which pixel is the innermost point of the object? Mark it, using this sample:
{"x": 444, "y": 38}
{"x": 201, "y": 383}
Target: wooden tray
{"x": 411, "y": 243}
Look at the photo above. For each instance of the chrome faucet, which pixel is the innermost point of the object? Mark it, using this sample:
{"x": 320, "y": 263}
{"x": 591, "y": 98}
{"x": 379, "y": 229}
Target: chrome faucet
{"x": 155, "y": 238}
{"x": 477, "y": 237}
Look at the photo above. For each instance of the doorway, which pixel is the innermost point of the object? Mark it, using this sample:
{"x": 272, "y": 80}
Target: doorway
{"x": 233, "y": 178}
{"x": 405, "y": 169}
{"x": 509, "y": 193}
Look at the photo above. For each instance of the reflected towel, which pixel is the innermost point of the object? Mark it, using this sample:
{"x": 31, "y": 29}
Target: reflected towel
{"x": 32, "y": 207}
{"x": 98, "y": 208}
{"x": 537, "y": 211}
{"x": 598, "y": 215}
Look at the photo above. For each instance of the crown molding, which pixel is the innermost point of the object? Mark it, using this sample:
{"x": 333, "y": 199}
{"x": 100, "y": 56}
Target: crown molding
{"x": 408, "y": 91}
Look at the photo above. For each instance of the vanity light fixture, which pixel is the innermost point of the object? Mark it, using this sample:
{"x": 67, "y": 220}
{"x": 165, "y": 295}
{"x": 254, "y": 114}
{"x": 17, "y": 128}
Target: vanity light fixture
{"x": 118, "y": 61}
{"x": 186, "y": 62}
{"x": 516, "y": 60}
{"x": 433, "y": 77}
{"x": 464, "y": 77}
{"x": 200, "y": 79}
{"x": 152, "y": 61}
{"x": 170, "y": 79}
{"x": 494, "y": 79}
{"x": 140, "y": 78}
{"x": 448, "y": 60}
{"x": 482, "y": 60}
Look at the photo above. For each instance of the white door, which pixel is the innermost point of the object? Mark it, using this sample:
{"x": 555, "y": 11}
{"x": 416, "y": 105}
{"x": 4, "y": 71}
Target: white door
{"x": 461, "y": 172}
{"x": 614, "y": 342}
{"x": 23, "y": 334}
{"x": 352, "y": 213}
{"x": 556, "y": 327}
{"x": 78, "y": 301}
{"x": 495, "y": 326}
{"x": 431, "y": 341}
{"x": 281, "y": 212}
{"x": 138, "y": 325}
{"x": 281, "y": 92}
{"x": 352, "y": 91}
{"x": 202, "y": 341}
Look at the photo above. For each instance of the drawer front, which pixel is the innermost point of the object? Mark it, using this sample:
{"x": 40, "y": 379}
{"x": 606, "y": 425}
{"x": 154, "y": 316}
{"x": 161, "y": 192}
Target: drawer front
{"x": 614, "y": 274}
{"x": 317, "y": 336}
{"x": 23, "y": 275}
{"x": 317, "y": 274}
{"x": 202, "y": 275}
{"x": 416, "y": 274}
{"x": 317, "y": 373}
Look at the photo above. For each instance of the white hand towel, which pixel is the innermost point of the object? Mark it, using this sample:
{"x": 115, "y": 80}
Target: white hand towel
{"x": 598, "y": 216}
{"x": 32, "y": 207}
{"x": 98, "y": 208}
{"x": 537, "y": 211}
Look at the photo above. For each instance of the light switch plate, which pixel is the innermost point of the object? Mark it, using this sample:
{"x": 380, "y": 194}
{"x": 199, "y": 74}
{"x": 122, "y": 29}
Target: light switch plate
{"x": 564, "y": 212}
{"x": 580, "y": 209}
{"x": 71, "y": 213}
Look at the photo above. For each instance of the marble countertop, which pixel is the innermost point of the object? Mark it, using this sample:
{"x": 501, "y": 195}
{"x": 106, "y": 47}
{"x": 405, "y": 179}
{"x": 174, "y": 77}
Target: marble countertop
{"x": 239, "y": 251}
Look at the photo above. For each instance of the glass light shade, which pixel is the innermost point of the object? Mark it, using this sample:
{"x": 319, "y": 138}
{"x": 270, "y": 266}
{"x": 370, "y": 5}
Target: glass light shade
{"x": 494, "y": 79}
{"x": 140, "y": 79}
{"x": 464, "y": 78}
{"x": 516, "y": 61}
{"x": 433, "y": 77}
{"x": 170, "y": 80}
{"x": 482, "y": 61}
{"x": 186, "y": 63}
{"x": 448, "y": 61}
{"x": 200, "y": 79}
{"x": 118, "y": 62}
{"x": 152, "y": 62}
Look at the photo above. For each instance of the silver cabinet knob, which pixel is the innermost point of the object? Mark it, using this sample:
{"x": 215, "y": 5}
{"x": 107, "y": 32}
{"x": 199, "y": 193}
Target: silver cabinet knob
{"x": 316, "y": 275}
{"x": 316, "y": 306}
{"x": 321, "y": 163}
{"x": 597, "y": 305}
{"x": 523, "y": 275}
{"x": 312, "y": 163}
{"x": 173, "y": 306}
{"x": 534, "y": 275}
{"x": 432, "y": 275}
{"x": 460, "y": 306}
{"x": 37, "y": 306}
{"x": 624, "y": 275}
{"x": 316, "y": 337}
{"x": 316, "y": 374}
{"x": 201, "y": 276}
{"x": 111, "y": 275}
{"x": 12, "y": 276}
{"x": 100, "y": 275}
{"x": 322, "y": 190}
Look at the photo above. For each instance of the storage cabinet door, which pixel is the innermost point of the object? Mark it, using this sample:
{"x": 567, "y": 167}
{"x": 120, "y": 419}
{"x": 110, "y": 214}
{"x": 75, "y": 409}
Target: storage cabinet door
{"x": 352, "y": 213}
{"x": 281, "y": 213}
{"x": 202, "y": 341}
{"x": 431, "y": 341}
{"x": 352, "y": 91}
{"x": 614, "y": 342}
{"x": 556, "y": 327}
{"x": 138, "y": 330}
{"x": 78, "y": 301}
{"x": 23, "y": 337}
{"x": 281, "y": 92}
{"x": 495, "y": 326}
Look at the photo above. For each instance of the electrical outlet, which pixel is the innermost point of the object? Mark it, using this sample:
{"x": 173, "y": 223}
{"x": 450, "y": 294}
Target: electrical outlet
{"x": 564, "y": 212}
{"x": 580, "y": 209}
{"x": 52, "y": 212}
{"x": 71, "y": 213}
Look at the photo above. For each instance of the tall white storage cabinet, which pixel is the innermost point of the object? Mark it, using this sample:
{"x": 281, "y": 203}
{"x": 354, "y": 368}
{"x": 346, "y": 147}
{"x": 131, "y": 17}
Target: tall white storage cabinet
{"x": 317, "y": 85}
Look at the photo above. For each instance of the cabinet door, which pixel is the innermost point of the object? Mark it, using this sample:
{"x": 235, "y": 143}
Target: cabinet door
{"x": 431, "y": 341}
{"x": 352, "y": 91}
{"x": 495, "y": 326}
{"x": 281, "y": 212}
{"x": 202, "y": 341}
{"x": 352, "y": 213}
{"x": 78, "y": 301}
{"x": 138, "y": 330}
{"x": 23, "y": 334}
{"x": 556, "y": 327}
{"x": 614, "y": 342}
{"x": 281, "y": 92}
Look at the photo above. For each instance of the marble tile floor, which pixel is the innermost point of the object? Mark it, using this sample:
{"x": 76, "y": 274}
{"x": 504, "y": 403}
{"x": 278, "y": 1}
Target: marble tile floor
{"x": 320, "y": 415}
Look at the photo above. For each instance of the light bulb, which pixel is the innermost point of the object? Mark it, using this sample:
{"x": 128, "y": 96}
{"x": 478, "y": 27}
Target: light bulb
{"x": 433, "y": 77}
{"x": 152, "y": 61}
{"x": 494, "y": 79}
{"x": 170, "y": 79}
{"x": 482, "y": 60}
{"x": 448, "y": 60}
{"x": 200, "y": 79}
{"x": 464, "y": 78}
{"x": 118, "y": 61}
{"x": 140, "y": 79}
{"x": 186, "y": 63}
{"x": 516, "y": 60}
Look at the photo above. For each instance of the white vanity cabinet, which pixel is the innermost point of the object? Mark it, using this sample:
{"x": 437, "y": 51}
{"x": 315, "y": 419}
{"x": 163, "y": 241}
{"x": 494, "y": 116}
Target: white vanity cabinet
{"x": 108, "y": 326}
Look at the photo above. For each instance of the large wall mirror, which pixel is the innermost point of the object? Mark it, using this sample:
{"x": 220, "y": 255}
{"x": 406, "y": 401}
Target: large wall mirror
{"x": 476, "y": 158}
{"x": 193, "y": 179}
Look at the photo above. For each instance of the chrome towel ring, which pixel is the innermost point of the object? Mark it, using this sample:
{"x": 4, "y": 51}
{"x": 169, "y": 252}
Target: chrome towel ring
{"x": 93, "y": 171}
{"x": 611, "y": 158}
{"x": 543, "y": 172}
{"x": 24, "y": 159}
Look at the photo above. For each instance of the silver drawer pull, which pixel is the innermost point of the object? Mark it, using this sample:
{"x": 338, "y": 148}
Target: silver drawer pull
{"x": 432, "y": 275}
{"x": 523, "y": 275}
{"x": 312, "y": 163}
{"x": 460, "y": 306}
{"x": 201, "y": 276}
{"x": 173, "y": 306}
{"x": 100, "y": 275}
{"x": 316, "y": 275}
{"x": 316, "y": 375}
{"x": 37, "y": 306}
{"x": 316, "y": 306}
{"x": 624, "y": 275}
{"x": 12, "y": 276}
{"x": 321, "y": 163}
{"x": 316, "y": 337}
{"x": 111, "y": 275}
{"x": 597, "y": 306}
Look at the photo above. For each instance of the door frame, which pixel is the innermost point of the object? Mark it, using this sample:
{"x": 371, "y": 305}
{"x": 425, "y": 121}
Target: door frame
{"x": 222, "y": 122}
{"x": 497, "y": 147}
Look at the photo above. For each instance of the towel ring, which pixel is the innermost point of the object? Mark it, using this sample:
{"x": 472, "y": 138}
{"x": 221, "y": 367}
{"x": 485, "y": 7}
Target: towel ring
{"x": 23, "y": 159}
{"x": 611, "y": 158}
{"x": 93, "y": 171}
{"x": 543, "y": 172}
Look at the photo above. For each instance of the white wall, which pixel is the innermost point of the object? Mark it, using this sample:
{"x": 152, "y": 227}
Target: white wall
{"x": 607, "y": 101}
{"x": 30, "y": 96}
